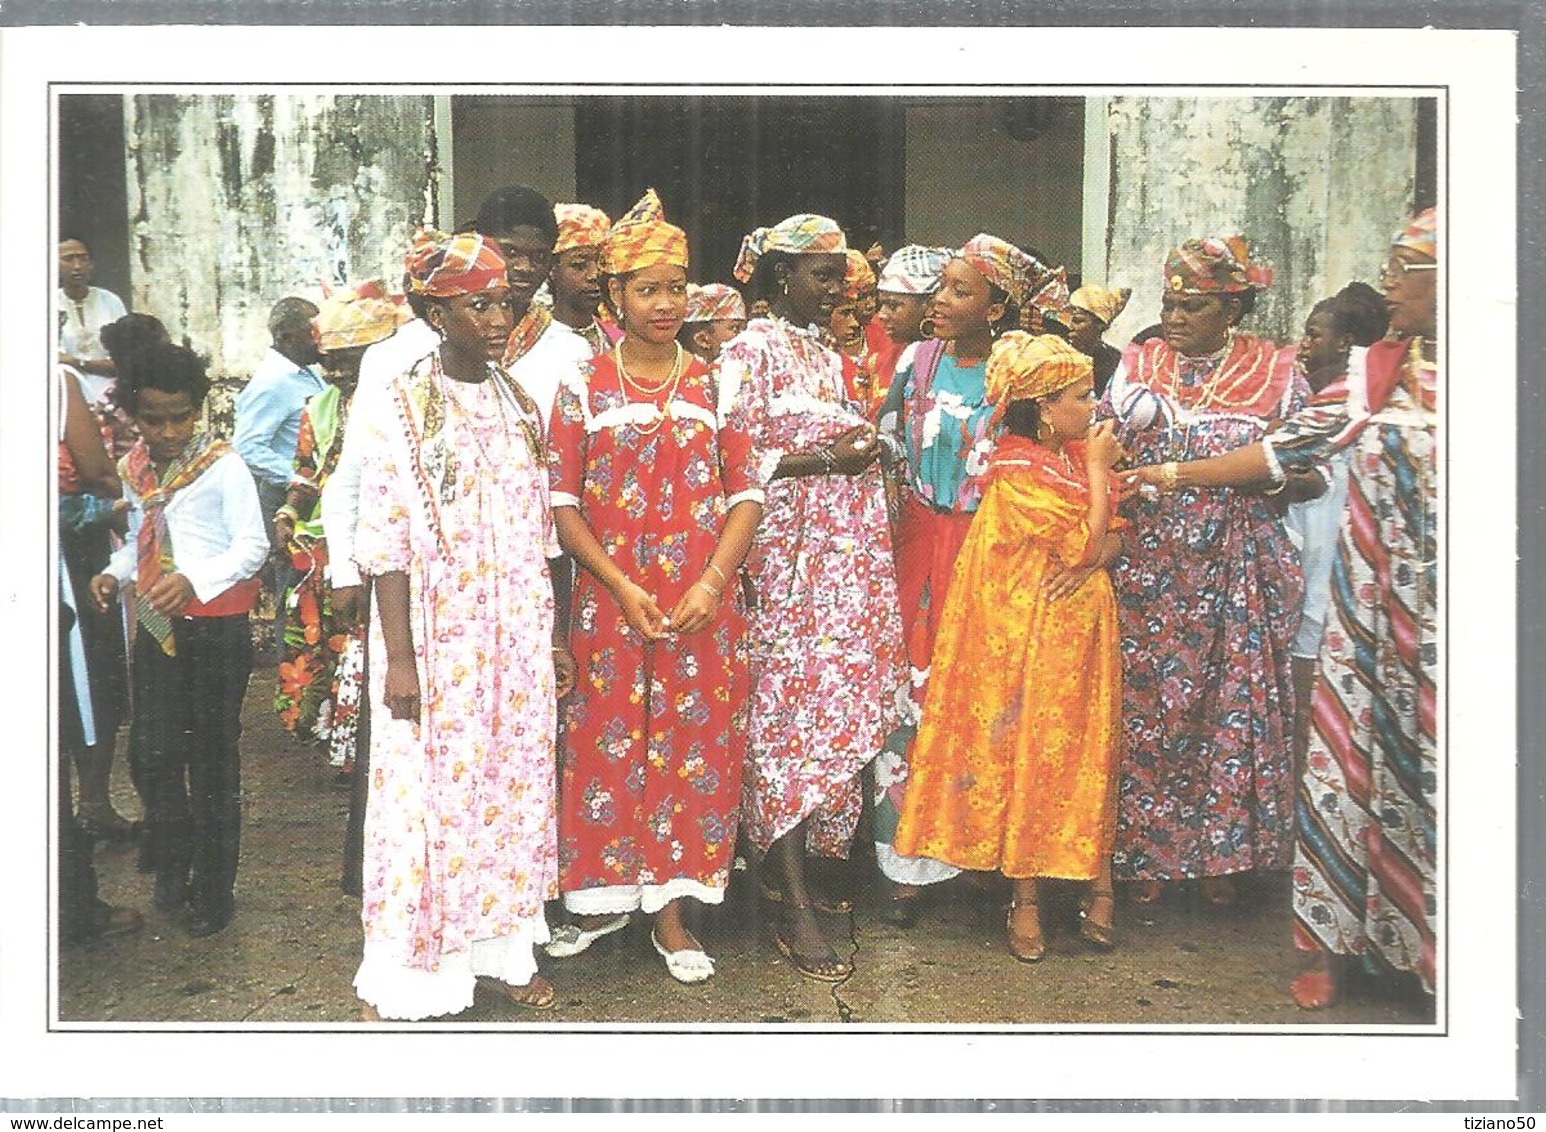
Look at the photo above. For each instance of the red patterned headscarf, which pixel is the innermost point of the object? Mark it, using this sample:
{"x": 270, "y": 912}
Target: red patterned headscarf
{"x": 712, "y": 302}
{"x": 1215, "y": 265}
{"x": 443, "y": 266}
{"x": 1002, "y": 264}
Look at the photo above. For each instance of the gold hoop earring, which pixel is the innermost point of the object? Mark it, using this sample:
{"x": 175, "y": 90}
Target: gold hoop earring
{"x": 1045, "y": 430}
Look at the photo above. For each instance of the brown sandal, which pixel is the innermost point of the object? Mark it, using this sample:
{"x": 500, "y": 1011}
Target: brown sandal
{"x": 1036, "y": 949}
{"x": 1098, "y": 934}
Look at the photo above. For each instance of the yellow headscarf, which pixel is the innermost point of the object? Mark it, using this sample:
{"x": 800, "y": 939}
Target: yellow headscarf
{"x": 1028, "y": 367}
{"x": 642, "y": 238}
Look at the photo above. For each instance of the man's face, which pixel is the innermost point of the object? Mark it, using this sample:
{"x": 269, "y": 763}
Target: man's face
{"x": 528, "y": 259}
{"x": 74, "y": 267}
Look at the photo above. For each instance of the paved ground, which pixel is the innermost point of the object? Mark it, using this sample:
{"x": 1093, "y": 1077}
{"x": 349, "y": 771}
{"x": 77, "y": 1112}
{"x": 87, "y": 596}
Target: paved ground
{"x": 291, "y": 953}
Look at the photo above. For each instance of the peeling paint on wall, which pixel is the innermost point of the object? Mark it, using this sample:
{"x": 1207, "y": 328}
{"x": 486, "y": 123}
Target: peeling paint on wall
{"x": 239, "y": 200}
{"x": 1316, "y": 184}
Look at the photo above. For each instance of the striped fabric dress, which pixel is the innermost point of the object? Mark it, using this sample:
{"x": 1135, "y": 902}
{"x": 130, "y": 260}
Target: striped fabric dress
{"x": 1364, "y": 864}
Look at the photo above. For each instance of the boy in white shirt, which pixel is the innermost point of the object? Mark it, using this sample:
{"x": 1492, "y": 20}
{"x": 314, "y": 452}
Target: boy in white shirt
{"x": 196, "y": 542}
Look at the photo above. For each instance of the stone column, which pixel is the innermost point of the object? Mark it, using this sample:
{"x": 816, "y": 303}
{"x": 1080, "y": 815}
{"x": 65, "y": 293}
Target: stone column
{"x": 1317, "y": 185}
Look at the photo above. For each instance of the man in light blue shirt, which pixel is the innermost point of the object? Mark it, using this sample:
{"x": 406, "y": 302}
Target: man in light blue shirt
{"x": 268, "y": 423}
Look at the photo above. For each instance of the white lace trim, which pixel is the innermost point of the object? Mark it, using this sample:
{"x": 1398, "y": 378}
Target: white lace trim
{"x": 911, "y": 870}
{"x": 409, "y": 994}
{"x": 646, "y": 898}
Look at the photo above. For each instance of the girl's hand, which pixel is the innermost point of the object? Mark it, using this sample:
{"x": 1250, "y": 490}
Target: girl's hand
{"x": 1061, "y": 581}
{"x": 284, "y": 529}
{"x": 170, "y": 595}
{"x": 1303, "y": 486}
{"x": 641, "y": 612}
{"x": 1102, "y": 449}
{"x": 1150, "y": 475}
{"x": 104, "y": 591}
{"x": 401, "y": 691}
{"x": 856, "y": 449}
{"x": 348, "y": 605}
{"x": 565, "y": 671}
{"x": 696, "y": 610}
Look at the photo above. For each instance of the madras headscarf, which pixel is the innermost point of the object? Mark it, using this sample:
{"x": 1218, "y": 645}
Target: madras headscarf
{"x": 358, "y": 316}
{"x": 802, "y": 234}
{"x": 579, "y": 226}
{"x": 1024, "y": 367}
{"x": 1002, "y": 264}
{"x": 1215, "y": 265}
{"x": 914, "y": 270}
{"x": 1048, "y": 300}
{"x": 1103, "y": 302}
{"x": 857, "y": 275}
{"x": 1421, "y": 234}
{"x": 712, "y": 302}
{"x": 443, "y": 266}
{"x": 642, "y": 238}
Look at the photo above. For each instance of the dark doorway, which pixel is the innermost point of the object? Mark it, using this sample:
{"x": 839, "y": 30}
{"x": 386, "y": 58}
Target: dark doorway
{"x": 93, "y": 190}
{"x": 726, "y": 164}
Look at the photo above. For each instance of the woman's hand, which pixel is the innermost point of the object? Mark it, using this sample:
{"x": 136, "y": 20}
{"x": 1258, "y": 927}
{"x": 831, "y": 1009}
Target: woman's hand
{"x": 1148, "y": 475}
{"x": 348, "y": 605}
{"x": 696, "y": 610}
{"x": 119, "y": 522}
{"x": 1102, "y": 449}
{"x": 1303, "y": 486}
{"x": 855, "y": 450}
{"x": 284, "y": 527}
{"x": 565, "y": 671}
{"x": 104, "y": 591}
{"x": 401, "y": 691}
{"x": 641, "y": 612}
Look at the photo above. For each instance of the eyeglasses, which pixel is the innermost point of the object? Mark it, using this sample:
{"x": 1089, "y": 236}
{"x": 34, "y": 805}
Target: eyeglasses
{"x": 1396, "y": 269}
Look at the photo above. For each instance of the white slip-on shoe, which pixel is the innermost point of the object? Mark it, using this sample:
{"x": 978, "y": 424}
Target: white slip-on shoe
{"x": 571, "y": 939}
{"x": 686, "y": 966}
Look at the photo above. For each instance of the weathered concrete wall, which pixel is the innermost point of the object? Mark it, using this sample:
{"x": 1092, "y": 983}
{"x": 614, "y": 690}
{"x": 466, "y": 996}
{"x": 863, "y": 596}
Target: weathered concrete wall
{"x": 1316, "y": 184}
{"x": 236, "y": 201}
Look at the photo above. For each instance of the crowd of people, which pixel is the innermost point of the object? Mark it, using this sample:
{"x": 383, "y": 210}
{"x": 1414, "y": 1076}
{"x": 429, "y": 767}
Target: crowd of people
{"x": 594, "y": 579}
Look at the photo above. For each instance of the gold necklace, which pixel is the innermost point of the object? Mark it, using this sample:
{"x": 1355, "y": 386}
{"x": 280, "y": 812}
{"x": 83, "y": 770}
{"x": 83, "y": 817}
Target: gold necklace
{"x": 628, "y": 379}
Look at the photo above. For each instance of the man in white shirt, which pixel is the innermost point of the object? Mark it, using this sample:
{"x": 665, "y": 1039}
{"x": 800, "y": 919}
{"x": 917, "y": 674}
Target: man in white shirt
{"x": 83, "y": 311}
{"x": 268, "y": 423}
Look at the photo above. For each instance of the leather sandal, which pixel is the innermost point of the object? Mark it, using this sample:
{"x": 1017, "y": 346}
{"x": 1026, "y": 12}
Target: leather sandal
{"x": 1094, "y": 932}
{"x": 1025, "y": 949}
{"x": 830, "y": 905}
{"x": 820, "y": 969}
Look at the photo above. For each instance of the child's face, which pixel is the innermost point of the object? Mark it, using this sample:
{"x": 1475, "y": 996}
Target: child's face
{"x": 167, "y": 422}
{"x": 1071, "y": 409}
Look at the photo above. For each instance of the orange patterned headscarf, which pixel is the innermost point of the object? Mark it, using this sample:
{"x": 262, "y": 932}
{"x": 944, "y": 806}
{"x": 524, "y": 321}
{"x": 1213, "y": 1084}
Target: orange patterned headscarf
{"x": 642, "y": 238}
{"x": 443, "y": 266}
{"x": 858, "y": 275}
{"x": 358, "y": 316}
{"x": 579, "y": 226}
{"x": 1026, "y": 367}
{"x": 1103, "y": 302}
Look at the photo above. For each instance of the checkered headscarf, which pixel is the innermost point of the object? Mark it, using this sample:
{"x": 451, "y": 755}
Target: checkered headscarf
{"x": 802, "y": 234}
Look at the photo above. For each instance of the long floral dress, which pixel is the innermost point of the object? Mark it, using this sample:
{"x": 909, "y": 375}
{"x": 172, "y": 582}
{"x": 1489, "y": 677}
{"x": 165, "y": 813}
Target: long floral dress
{"x": 1209, "y": 590}
{"x": 320, "y": 671}
{"x": 1014, "y": 769}
{"x": 826, "y": 635}
{"x": 460, "y": 830}
{"x": 937, "y": 411}
{"x": 654, "y": 735}
{"x": 1366, "y": 860}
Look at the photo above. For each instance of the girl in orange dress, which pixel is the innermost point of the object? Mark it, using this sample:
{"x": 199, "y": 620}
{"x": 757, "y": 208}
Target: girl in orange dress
{"x": 1014, "y": 768}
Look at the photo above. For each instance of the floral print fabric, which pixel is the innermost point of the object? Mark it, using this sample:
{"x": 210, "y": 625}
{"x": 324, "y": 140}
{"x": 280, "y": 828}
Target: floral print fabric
{"x": 826, "y": 637}
{"x": 1209, "y": 589}
{"x": 654, "y": 734}
{"x": 460, "y": 833}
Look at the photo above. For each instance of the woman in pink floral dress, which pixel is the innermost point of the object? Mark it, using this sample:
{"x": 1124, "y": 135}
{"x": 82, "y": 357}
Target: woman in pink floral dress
{"x": 826, "y": 635}
{"x": 455, "y": 530}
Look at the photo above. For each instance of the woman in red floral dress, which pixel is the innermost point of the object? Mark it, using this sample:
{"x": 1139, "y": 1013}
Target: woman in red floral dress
{"x": 654, "y": 494}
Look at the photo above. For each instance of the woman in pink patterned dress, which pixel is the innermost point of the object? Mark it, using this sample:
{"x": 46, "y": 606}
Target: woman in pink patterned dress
{"x": 826, "y": 635}
{"x": 653, "y": 493}
{"x": 455, "y": 529}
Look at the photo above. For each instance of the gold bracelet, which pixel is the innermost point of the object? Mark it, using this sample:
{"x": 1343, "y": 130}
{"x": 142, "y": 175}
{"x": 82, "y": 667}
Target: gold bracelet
{"x": 723, "y": 577}
{"x": 717, "y": 593}
{"x": 1169, "y": 470}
